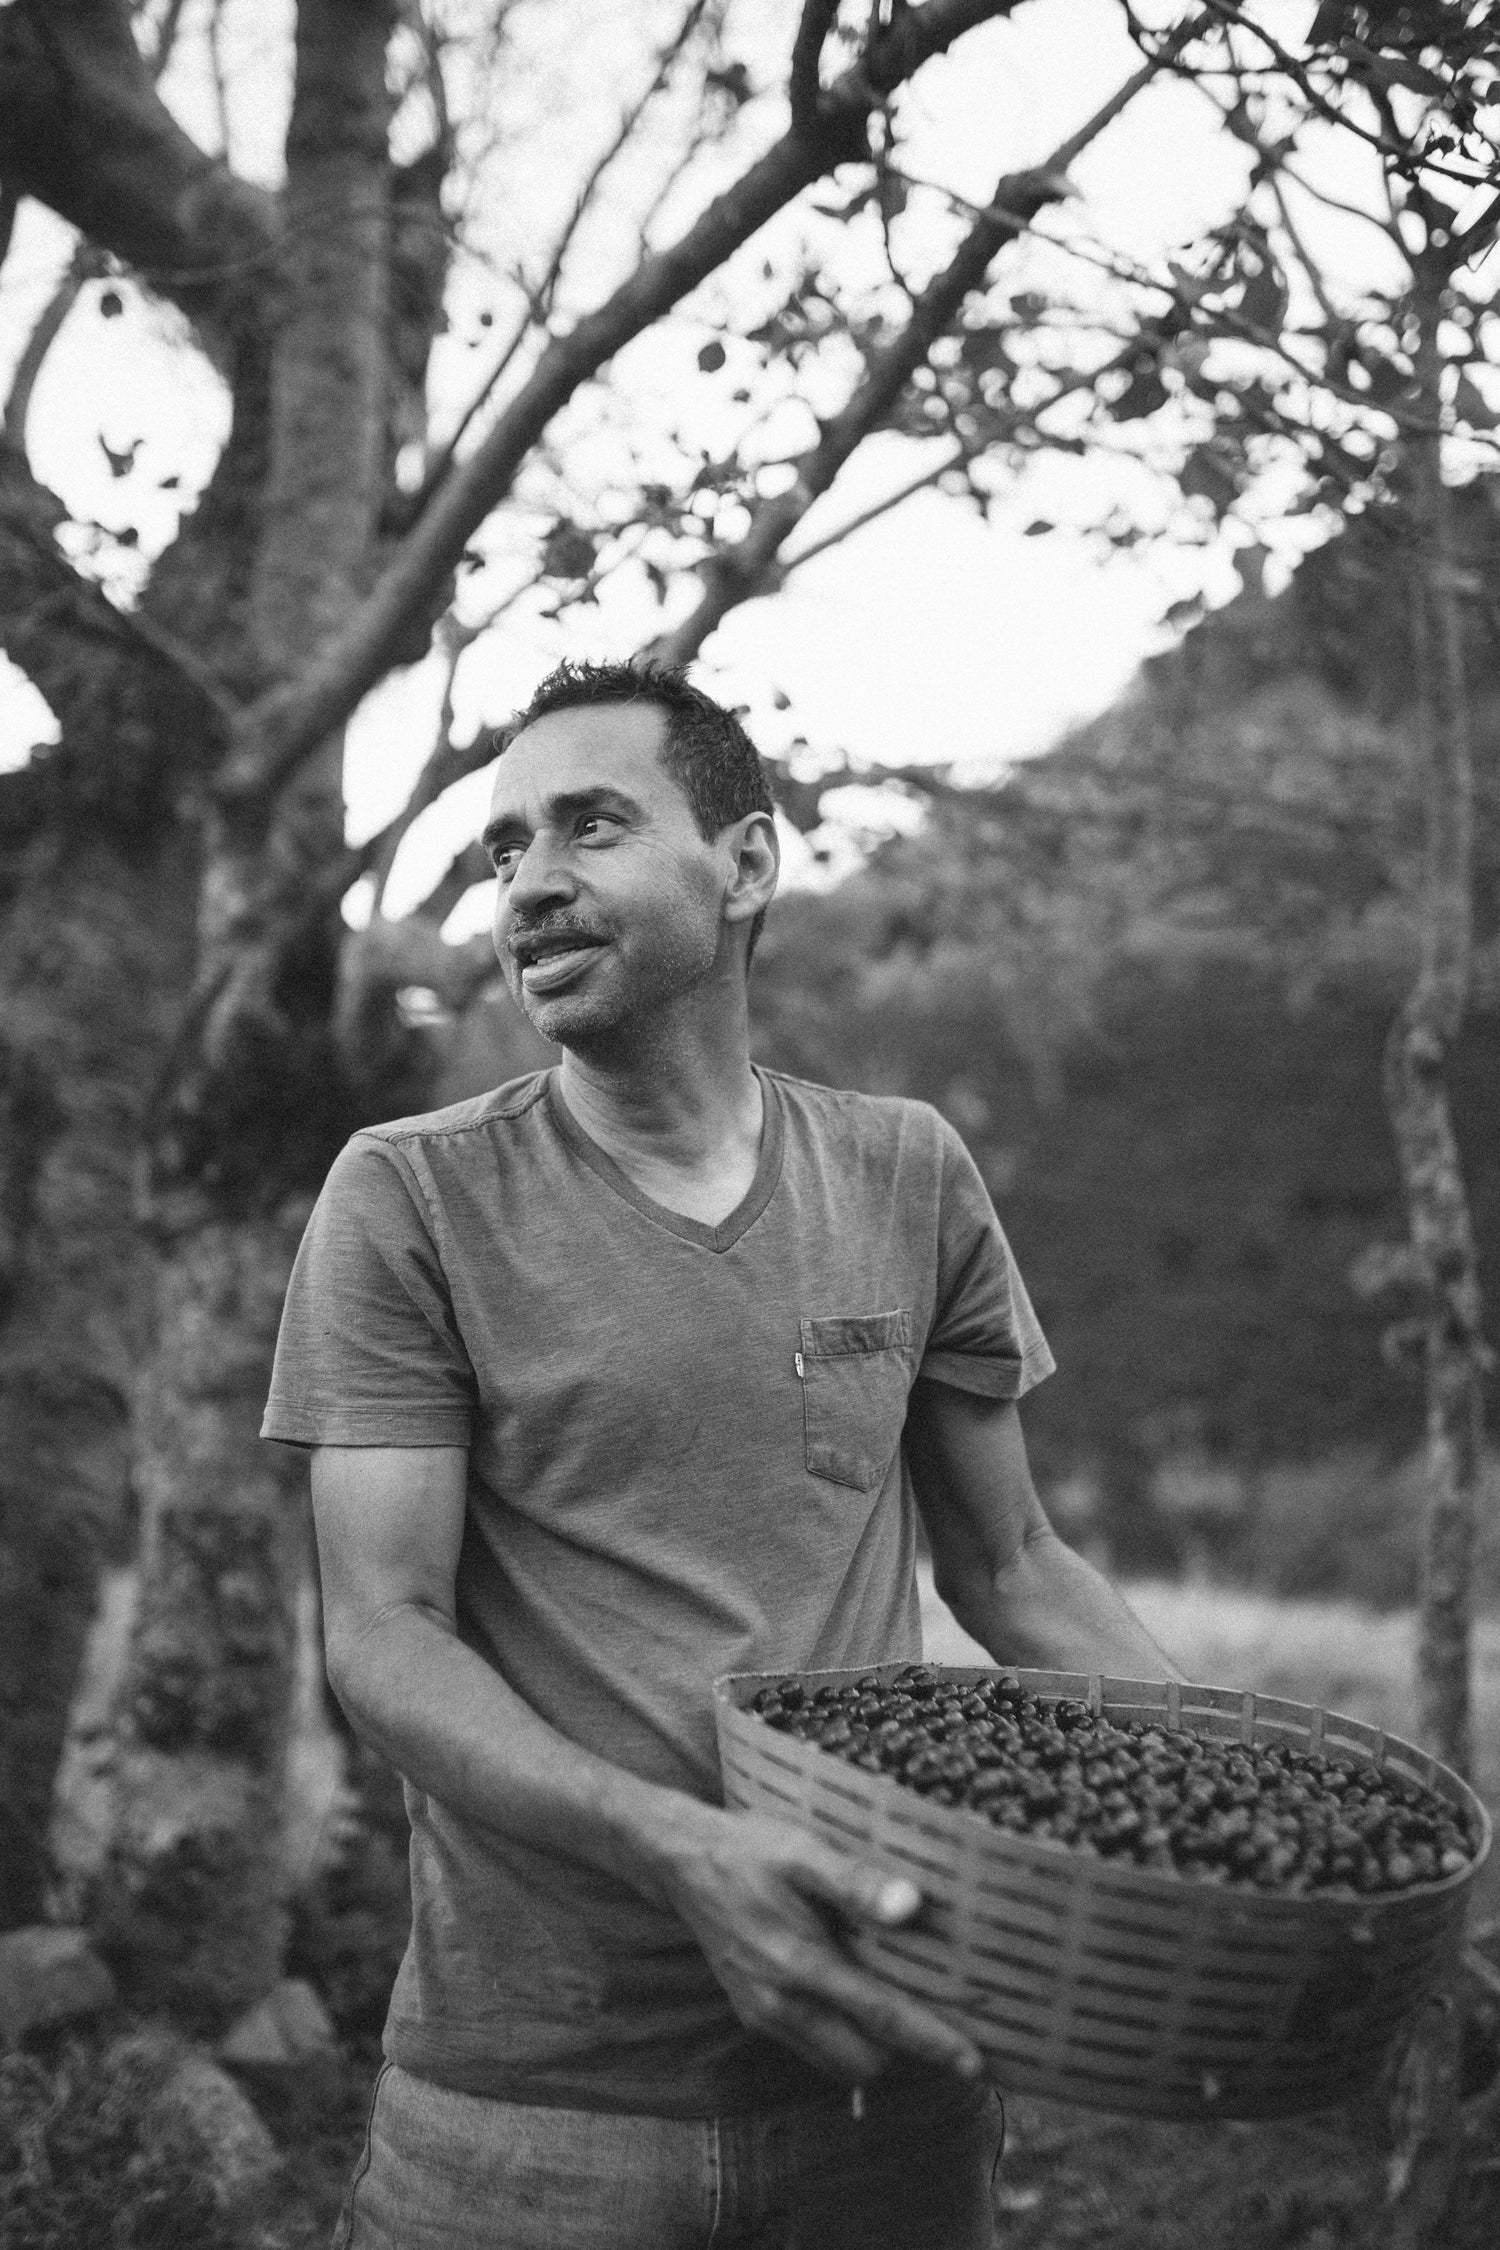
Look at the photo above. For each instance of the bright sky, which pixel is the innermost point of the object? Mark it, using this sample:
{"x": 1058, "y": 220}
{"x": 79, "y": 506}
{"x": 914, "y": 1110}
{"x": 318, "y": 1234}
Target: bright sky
{"x": 927, "y": 636}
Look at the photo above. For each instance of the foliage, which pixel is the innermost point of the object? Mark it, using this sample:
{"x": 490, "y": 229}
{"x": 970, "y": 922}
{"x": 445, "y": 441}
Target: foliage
{"x": 1149, "y": 978}
{"x": 84, "y": 2159}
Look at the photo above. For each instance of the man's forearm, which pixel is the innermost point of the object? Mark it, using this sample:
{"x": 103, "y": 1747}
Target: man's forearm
{"x": 1048, "y": 1608}
{"x": 451, "y": 1725}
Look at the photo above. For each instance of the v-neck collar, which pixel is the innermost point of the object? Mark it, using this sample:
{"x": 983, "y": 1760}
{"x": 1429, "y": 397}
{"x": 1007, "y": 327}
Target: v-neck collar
{"x": 740, "y": 1219}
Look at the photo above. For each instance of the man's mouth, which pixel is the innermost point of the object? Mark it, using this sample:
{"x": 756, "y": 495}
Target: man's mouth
{"x": 549, "y": 959}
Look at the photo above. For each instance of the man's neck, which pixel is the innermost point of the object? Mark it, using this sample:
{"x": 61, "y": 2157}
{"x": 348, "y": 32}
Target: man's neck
{"x": 681, "y": 1117}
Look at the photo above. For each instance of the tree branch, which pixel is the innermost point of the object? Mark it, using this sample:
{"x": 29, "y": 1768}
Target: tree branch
{"x": 751, "y": 567}
{"x": 85, "y": 131}
{"x": 289, "y": 722}
{"x": 46, "y": 606}
{"x": 539, "y": 300}
{"x": 84, "y": 265}
{"x": 806, "y": 87}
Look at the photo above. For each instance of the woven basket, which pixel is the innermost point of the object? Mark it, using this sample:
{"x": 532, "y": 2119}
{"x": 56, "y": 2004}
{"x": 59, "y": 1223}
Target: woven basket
{"x": 1117, "y": 1987}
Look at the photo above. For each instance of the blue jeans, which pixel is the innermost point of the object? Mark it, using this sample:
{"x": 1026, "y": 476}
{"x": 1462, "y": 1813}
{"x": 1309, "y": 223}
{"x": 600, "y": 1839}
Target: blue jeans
{"x": 449, "y": 2171}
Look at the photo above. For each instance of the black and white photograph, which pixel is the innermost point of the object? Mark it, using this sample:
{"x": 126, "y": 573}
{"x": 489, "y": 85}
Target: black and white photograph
{"x": 749, "y": 1124}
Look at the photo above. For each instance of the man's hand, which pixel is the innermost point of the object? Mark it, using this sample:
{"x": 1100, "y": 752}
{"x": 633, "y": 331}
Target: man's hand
{"x": 766, "y": 1902}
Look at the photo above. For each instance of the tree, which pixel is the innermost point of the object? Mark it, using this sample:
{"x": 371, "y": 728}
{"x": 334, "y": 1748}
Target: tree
{"x": 193, "y": 804}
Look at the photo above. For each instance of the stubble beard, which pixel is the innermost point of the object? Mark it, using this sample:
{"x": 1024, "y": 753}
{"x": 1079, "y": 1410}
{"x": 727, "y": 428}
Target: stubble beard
{"x": 634, "y": 1019}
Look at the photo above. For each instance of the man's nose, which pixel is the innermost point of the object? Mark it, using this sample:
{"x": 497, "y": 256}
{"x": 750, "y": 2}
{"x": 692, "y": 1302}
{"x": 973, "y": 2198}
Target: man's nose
{"x": 541, "y": 879}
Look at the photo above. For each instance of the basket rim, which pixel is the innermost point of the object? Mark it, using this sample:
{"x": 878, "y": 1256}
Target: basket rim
{"x": 963, "y": 1823}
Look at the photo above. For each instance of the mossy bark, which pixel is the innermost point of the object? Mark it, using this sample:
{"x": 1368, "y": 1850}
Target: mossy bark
{"x": 92, "y": 954}
{"x": 189, "y": 1904}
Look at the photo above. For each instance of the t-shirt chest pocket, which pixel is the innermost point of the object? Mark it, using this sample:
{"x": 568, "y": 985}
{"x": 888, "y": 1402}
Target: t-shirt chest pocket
{"x": 856, "y": 1371}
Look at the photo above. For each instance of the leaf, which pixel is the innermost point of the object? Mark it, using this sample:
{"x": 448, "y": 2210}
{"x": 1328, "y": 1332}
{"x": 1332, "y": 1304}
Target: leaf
{"x": 983, "y": 349}
{"x": 567, "y": 551}
{"x": 712, "y": 358}
{"x": 1263, "y": 301}
{"x": 1207, "y": 475}
{"x": 892, "y": 192}
{"x": 1388, "y": 382}
{"x": 1142, "y": 395}
{"x": 731, "y": 79}
{"x": 1471, "y": 406}
{"x": 1250, "y": 566}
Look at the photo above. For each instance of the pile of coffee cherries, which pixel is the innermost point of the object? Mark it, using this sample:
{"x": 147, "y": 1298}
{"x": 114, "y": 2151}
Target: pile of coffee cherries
{"x": 1272, "y": 1817}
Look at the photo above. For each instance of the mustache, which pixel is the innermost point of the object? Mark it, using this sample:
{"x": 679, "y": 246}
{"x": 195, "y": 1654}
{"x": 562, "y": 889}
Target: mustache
{"x": 528, "y": 933}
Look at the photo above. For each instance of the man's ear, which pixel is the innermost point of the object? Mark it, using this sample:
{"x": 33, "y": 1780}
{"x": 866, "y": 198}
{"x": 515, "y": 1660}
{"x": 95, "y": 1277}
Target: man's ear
{"x": 755, "y": 849}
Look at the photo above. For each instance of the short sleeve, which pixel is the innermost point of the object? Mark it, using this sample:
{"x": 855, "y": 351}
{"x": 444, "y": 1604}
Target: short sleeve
{"x": 984, "y": 1337}
{"x": 369, "y": 1351}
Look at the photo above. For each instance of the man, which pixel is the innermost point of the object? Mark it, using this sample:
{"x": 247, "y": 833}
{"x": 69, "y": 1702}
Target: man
{"x": 626, "y": 1375}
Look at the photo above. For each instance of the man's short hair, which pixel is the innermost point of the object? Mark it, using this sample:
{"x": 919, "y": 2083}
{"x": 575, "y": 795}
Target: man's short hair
{"x": 706, "y": 751}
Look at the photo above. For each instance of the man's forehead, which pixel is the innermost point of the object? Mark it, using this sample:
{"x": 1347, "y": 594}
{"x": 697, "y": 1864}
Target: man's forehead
{"x": 586, "y": 746}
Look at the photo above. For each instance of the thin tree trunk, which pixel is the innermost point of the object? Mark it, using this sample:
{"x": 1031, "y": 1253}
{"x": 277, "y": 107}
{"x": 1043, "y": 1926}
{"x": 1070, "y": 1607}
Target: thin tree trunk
{"x": 1421, "y": 1039}
{"x": 1427, "y": 2151}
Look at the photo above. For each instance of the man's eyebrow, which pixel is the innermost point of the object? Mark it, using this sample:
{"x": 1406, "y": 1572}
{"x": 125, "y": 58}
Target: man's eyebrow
{"x": 569, "y": 804}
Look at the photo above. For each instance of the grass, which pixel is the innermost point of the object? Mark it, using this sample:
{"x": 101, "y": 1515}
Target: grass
{"x": 1077, "y": 2180}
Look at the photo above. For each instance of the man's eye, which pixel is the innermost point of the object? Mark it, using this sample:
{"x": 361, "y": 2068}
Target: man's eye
{"x": 593, "y": 827}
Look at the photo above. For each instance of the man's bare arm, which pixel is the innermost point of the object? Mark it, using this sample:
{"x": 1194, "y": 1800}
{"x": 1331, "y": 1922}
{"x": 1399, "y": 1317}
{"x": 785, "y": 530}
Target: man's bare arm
{"x": 1008, "y": 1579}
{"x": 761, "y": 1897}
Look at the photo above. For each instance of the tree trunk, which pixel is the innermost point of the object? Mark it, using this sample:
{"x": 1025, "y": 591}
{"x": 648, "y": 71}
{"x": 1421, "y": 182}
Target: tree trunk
{"x": 1428, "y": 2143}
{"x": 189, "y": 1900}
{"x": 1441, "y": 1233}
{"x": 190, "y": 1903}
{"x": 94, "y": 955}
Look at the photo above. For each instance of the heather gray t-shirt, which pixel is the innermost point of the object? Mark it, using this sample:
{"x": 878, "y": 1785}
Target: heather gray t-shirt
{"x": 684, "y": 1459}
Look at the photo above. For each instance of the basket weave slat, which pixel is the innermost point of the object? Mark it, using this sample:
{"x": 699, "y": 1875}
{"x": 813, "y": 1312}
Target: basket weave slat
{"x": 1114, "y": 1986}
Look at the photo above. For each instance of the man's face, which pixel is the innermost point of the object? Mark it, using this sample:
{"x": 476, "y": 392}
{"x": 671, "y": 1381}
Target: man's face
{"x": 609, "y": 900}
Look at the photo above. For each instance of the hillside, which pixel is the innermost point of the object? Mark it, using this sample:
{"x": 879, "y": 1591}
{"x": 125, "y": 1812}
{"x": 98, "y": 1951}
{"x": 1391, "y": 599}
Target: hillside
{"x": 1149, "y": 979}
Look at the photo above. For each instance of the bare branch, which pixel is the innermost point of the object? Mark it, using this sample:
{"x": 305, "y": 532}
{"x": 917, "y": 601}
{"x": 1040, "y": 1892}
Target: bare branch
{"x": 166, "y": 36}
{"x": 539, "y": 299}
{"x": 464, "y": 870}
{"x": 805, "y": 87}
{"x": 216, "y": 75}
{"x": 953, "y": 460}
{"x": 752, "y": 566}
{"x": 84, "y": 265}
{"x": 85, "y": 131}
{"x": 290, "y": 721}
{"x": 92, "y": 611}
{"x": 1231, "y": 16}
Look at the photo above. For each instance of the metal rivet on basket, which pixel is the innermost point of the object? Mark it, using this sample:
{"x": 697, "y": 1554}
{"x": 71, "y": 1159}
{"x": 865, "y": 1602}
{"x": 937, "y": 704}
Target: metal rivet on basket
{"x": 1211, "y": 2087}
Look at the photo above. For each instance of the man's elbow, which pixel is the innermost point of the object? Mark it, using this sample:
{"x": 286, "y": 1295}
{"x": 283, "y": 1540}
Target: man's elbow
{"x": 365, "y": 1658}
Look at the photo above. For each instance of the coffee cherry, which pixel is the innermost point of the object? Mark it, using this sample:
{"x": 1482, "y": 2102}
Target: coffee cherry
{"x": 1273, "y": 1818}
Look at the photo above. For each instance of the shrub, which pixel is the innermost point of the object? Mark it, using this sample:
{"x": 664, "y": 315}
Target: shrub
{"x": 86, "y": 2165}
